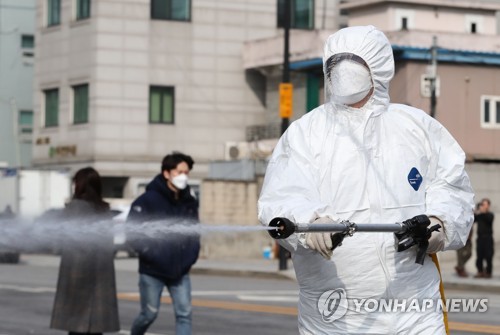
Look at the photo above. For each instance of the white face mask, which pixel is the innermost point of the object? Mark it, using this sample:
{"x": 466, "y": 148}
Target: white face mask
{"x": 180, "y": 181}
{"x": 350, "y": 81}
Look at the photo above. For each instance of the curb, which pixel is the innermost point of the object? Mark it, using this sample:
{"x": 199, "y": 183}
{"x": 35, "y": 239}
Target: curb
{"x": 460, "y": 286}
{"x": 471, "y": 287}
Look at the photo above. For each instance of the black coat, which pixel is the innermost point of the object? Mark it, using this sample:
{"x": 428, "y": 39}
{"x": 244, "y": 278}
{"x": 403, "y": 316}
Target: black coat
{"x": 484, "y": 224}
{"x": 169, "y": 255}
{"x": 85, "y": 300}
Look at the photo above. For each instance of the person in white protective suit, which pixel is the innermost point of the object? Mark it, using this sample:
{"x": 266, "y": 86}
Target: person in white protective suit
{"x": 360, "y": 158}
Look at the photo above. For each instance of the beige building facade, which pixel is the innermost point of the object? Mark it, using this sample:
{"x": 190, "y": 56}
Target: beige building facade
{"x": 119, "y": 84}
{"x": 468, "y": 62}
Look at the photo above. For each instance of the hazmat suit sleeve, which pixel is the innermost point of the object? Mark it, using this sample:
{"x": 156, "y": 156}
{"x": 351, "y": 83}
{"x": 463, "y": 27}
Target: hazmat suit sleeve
{"x": 291, "y": 185}
{"x": 449, "y": 195}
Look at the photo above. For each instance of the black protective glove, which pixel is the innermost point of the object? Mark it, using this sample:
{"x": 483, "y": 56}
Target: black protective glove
{"x": 416, "y": 233}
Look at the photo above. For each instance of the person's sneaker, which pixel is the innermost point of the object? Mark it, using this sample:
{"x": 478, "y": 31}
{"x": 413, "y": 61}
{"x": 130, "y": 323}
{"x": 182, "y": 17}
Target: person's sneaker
{"x": 487, "y": 275}
{"x": 461, "y": 272}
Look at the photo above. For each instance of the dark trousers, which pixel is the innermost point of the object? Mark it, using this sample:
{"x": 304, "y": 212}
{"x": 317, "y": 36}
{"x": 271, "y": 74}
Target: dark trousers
{"x": 464, "y": 254}
{"x": 485, "y": 251}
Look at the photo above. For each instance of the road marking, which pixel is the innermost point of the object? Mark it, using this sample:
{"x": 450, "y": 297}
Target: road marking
{"x": 457, "y": 326}
{"x": 27, "y": 289}
{"x": 268, "y": 298}
{"x": 247, "y": 292}
{"x": 474, "y": 328}
{"x": 223, "y": 305}
{"x": 126, "y": 332}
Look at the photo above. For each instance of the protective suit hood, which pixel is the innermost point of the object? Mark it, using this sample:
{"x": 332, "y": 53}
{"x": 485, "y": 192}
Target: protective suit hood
{"x": 372, "y": 47}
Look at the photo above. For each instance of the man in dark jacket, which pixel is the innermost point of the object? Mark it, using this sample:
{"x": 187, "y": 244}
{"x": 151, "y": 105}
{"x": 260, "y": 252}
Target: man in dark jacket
{"x": 166, "y": 261}
{"x": 484, "y": 242}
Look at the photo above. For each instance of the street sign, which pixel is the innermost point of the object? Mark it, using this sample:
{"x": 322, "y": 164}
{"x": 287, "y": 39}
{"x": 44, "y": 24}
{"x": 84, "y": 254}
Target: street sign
{"x": 286, "y": 100}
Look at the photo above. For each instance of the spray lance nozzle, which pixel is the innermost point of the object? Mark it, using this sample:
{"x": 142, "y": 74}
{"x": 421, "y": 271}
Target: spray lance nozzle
{"x": 411, "y": 232}
{"x": 284, "y": 228}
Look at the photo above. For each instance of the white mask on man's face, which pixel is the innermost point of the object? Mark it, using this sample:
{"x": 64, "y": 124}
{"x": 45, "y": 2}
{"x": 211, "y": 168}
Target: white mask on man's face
{"x": 351, "y": 82}
{"x": 180, "y": 181}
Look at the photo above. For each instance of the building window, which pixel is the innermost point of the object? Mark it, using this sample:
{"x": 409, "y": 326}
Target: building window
{"x": 82, "y": 9}
{"x": 312, "y": 92}
{"x": 404, "y": 23}
{"x": 497, "y": 112}
{"x": 486, "y": 115}
{"x": 53, "y": 12}
{"x": 490, "y": 111}
{"x": 473, "y": 24}
{"x": 343, "y": 11}
{"x": 161, "y": 104}
{"x": 404, "y": 19}
{"x": 25, "y": 122}
{"x": 302, "y": 15}
{"x": 473, "y": 28}
{"x": 51, "y": 107}
{"x": 81, "y": 104}
{"x": 27, "y": 45}
{"x": 113, "y": 187}
{"x": 27, "y": 41}
{"x": 178, "y": 10}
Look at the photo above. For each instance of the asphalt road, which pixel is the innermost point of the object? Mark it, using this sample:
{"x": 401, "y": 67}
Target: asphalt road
{"x": 222, "y": 304}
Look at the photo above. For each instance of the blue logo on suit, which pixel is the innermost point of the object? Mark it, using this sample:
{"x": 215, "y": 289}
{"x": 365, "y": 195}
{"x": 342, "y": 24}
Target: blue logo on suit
{"x": 415, "y": 178}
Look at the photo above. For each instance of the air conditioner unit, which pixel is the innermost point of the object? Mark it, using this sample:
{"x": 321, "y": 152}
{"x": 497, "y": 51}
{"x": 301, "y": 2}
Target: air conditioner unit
{"x": 236, "y": 150}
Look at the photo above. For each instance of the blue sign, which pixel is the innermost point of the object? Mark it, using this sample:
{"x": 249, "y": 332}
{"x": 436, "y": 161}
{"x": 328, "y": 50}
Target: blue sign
{"x": 9, "y": 172}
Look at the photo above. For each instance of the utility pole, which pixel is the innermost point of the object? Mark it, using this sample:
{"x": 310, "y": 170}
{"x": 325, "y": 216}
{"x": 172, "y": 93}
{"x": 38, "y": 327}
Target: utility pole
{"x": 433, "y": 77}
{"x": 286, "y": 88}
{"x": 15, "y": 128}
{"x": 286, "y": 98}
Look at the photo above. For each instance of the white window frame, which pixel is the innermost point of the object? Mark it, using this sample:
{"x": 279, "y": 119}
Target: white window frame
{"x": 404, "y": 13}
{"x": 470, "y": 19}
{"x": 41, "y": 121}
{"x": 73, "y": 10}
{"x": 493, "y": 123}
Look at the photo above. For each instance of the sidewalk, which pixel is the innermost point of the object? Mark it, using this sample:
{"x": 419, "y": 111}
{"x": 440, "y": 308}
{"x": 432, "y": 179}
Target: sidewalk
{"x": 448, "y": 261}
{"x": 269, "y": 269}
{"x": 262, "y": 268}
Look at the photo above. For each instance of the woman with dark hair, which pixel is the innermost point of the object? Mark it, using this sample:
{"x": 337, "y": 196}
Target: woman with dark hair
{"x": 85, "y": 301}
{"x": 88, "y": 187}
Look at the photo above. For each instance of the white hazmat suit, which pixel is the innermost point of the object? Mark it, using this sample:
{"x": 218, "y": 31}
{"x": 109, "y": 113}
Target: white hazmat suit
{"x": 381, "y": 163}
